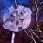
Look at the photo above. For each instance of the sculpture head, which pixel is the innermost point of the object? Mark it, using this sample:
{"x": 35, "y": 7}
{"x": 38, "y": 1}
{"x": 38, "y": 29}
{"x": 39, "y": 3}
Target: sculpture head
{"x": 20, "y": 17}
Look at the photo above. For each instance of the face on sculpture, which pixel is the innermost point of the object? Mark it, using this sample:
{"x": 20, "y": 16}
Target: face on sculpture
{"x": 20, "y": 17}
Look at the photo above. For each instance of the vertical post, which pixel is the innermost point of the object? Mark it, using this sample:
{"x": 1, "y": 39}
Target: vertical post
{"x": 16, "y": 3}
{"x": 12, "y": 37}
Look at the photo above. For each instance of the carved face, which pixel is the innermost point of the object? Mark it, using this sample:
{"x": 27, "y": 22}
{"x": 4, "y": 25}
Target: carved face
{"x": 20, "y": 17}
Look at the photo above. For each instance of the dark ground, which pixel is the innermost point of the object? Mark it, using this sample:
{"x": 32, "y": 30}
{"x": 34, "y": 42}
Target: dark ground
{"x": 5, "y": 35}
